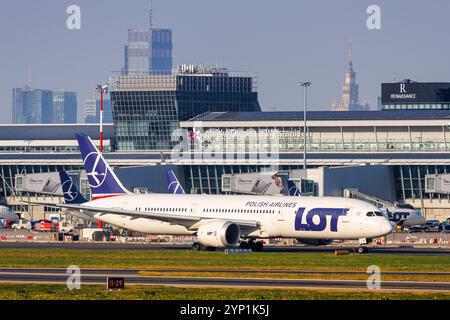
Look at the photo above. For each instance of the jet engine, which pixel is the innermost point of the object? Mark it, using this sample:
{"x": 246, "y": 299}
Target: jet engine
{"x": 315, "y": 242}
{"x": 219, "y": 233}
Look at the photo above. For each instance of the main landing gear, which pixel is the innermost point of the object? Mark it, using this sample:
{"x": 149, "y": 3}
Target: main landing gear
{"x": 197, "y": 246}
{"x": 251, "y": 244}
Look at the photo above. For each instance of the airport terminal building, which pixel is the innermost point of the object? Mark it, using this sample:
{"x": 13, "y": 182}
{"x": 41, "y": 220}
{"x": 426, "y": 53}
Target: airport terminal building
{"x": 385, "y": 154}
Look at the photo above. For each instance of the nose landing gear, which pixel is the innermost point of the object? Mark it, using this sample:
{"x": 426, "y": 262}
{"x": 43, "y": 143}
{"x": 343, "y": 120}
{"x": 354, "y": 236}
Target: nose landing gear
{"x": 362, "y": 248}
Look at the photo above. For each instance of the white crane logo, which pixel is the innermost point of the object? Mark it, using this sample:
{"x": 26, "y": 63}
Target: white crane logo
{"x": 72, "y": 192}
{"x": 96, "y": 169}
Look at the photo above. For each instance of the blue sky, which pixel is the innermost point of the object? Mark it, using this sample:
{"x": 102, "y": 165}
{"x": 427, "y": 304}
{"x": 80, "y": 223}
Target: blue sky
{"x": 283, "y": 42}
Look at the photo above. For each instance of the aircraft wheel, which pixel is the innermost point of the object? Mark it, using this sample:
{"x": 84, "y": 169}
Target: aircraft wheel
{"x": 244, "y": 245}
{"x": 362, "y": 250}
{"x": 258, "y": 246}
{"x": 196, "y": 246}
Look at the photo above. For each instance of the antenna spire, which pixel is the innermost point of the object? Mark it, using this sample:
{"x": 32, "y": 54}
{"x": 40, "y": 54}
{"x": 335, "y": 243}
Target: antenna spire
{"x": 29, "y": 77}
{"x": 350, "y": 52}
{"x": 150, "y": 12}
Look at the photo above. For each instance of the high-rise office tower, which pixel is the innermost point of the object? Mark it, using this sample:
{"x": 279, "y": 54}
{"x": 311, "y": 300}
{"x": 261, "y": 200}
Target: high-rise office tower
{"x": 148, "y": 108}
{"x": 148, "y": 49}
{"x": 350, "y": 91}
{"x": 32, "y": 106}
{"x": 65, "y": 106}
{"x": 92, "y": 111}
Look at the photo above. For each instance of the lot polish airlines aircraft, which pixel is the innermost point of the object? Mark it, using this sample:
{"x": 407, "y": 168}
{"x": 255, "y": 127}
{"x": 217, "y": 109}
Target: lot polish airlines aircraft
{"x": 223, "y": 220}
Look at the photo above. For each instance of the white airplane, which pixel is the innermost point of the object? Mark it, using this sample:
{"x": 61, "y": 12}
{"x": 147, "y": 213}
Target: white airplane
{"x": 224, "y": 220}
{"x": 404, "y": 215}
{"x": 8, "y": 214}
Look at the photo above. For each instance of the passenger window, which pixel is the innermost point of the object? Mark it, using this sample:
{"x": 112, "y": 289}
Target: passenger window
{"x": 370, "y": 214}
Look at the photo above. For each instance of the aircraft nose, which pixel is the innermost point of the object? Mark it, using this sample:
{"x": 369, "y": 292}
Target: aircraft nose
{"x": 386, "y": 227}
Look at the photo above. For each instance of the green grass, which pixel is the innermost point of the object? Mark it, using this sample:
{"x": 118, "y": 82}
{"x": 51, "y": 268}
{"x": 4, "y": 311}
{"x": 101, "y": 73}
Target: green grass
{"x": 60, "y": 292}
{"x": 141, "y": 259}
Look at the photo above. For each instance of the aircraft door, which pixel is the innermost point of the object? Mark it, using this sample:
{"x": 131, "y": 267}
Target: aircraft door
{"x": 195, "y": 210}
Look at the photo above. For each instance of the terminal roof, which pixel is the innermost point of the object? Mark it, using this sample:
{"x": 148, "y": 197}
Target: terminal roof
{"x": 325, "y": 115}
{"x": 53, "y": 131}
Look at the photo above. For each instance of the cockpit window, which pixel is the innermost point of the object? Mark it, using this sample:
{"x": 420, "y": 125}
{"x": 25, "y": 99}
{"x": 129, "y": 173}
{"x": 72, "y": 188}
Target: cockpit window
{"x": 374, "y": 213}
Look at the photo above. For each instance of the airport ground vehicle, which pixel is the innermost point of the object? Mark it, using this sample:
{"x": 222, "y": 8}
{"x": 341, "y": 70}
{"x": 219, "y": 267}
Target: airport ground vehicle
{"x": 445, "y": 227}
{"x": 429, "y": 226}
{"x": 22, "y": 225}
{"x": 432, "y": 226}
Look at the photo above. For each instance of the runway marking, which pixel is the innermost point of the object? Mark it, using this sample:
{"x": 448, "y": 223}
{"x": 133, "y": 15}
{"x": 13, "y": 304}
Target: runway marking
{"x": 226, "y": 282}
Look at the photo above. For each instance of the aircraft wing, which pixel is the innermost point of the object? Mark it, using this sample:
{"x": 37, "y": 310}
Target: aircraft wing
{"x": 184, "y": 220}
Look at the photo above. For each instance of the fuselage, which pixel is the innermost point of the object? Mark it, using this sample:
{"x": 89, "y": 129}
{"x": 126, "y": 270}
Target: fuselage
{"x": 404, "y": 217}
{"x": 287, "y": 217}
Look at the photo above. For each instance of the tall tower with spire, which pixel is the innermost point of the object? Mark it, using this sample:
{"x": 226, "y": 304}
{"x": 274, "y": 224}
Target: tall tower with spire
{"x": 350, "y": 89}
{"x": 149, "y": 49}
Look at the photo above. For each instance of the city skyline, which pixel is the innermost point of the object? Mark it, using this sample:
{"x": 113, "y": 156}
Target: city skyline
{"x": 274, "y": 44}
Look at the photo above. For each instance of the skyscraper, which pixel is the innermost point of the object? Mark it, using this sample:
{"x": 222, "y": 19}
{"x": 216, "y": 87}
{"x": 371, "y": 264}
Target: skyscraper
{"x": 32, "y": 106}
{"x": 90, "y": 107}
{"x": 148, "y": 49}
{"x": 36, "y": 106}
{"x": 64, "y": 106}
{"x": 350, "y": 91}
{"x": 92, "y": 111}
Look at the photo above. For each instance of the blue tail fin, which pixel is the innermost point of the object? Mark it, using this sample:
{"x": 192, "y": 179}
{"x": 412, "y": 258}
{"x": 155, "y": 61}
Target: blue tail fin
{"x": 102, "y": 179}
{"x": 173, "y": 184}
{"x": 70, "y": 190}
{"x": 293, "y": 190}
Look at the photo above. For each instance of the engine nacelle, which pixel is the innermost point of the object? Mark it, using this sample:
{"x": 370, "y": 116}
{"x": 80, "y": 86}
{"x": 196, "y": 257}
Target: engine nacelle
{"x": 315, "y": 242}
{"x": 219, "y": 233}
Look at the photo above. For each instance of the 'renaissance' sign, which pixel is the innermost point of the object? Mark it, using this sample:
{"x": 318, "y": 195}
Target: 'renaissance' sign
{"x": 398, "y": 93}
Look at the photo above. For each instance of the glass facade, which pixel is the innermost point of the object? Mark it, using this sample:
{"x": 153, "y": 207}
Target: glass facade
{"x": 148, "y": 50}
{"x": 9, "y": 172}
{"x": 65, "y": 107}
{"x": 32, "y": 106}
{"x": 327, "y": 139}
{"x": 92, "y": 108}
{"x": 147, "y": 109}
{"x": 207, "y": 179}
{"x": 161, "y": 50}
{"x": 416, "y": 106}
{"x": 410, "y": 181}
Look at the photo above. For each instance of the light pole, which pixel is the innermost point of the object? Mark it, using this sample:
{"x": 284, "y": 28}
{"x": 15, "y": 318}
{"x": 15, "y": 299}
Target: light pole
{"x": 305, "y": 85}
{"x": 103, "y": 89}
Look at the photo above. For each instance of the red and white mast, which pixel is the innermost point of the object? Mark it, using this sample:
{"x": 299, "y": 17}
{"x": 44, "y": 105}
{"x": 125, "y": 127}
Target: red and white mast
{"x": 103, "y": 89}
